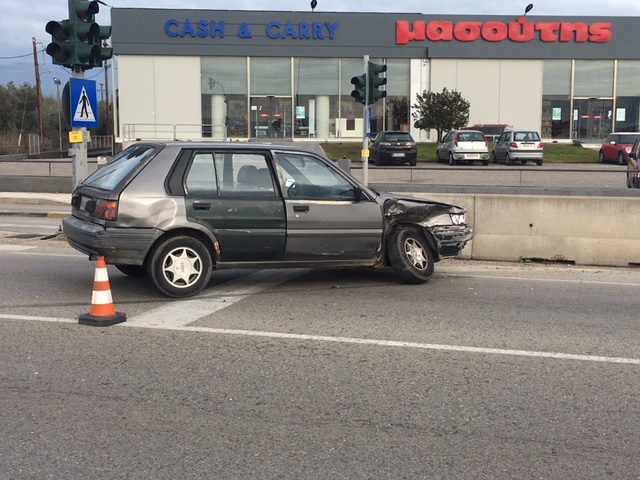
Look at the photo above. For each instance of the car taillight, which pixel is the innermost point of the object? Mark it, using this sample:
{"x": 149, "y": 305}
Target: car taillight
{"x": 106, "y": 209}
{"x": 513, "y": 145}
{"x": 541, "y": 145}
{"x": 456, "y": 141}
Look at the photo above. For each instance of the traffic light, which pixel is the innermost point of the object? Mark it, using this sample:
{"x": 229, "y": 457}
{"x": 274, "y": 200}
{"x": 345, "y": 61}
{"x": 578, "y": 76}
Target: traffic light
{"x": 77, "y": 42}
{"x": 375, "y": 82}
{"x": 360, "y": 90}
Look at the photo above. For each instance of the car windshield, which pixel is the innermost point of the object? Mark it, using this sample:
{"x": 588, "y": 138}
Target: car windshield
{"x": 109, "y": 176}
{"x": 397, "y": 137}
{"x": 625, "y": 139}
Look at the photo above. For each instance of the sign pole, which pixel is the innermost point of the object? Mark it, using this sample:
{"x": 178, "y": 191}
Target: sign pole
{"x": 80, "y": 169}
{"x": 365, "y": 129}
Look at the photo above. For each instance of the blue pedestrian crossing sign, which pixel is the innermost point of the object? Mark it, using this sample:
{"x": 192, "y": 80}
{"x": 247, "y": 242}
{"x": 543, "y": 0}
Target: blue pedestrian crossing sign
{"x": 84, "y": 103}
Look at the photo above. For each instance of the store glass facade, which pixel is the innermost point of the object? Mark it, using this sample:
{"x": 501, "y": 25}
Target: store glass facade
{"x": 588, "y": 99}
{"x": 285, "y": 97}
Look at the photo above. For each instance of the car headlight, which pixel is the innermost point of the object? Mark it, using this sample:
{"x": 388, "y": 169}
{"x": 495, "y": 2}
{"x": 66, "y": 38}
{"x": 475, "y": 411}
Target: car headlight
{"x": 458, "y": 218}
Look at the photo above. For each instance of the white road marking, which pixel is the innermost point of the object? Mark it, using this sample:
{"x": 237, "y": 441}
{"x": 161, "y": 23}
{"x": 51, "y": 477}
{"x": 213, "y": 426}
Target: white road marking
{"x": 15, "y": 248}
{"x": 533, "y": 279}
{"x": 37, "y": 319}
{"x": 349, "y": 340}
{"x": 183, "y": 312}
{"x": 178, "y": 314}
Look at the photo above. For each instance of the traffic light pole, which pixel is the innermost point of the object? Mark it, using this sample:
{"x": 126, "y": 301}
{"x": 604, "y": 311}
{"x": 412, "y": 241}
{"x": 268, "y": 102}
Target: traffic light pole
{"x": 79, "y": 168}
{"x": 365, "y": 139}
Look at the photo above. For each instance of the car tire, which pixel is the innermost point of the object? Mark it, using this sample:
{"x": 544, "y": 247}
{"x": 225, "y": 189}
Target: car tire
{"x": 601, "y": 156}
{"x": 410, "y": 256}
{"x": 185, "y": 252}
{"x": 507, "y": 159}
{"x": 451, "y": 159}
{"x": 134, "y": 271}
{"x": 493, "y": 157}
{"x": 621, "y": 159}
{"x": 413, "y": 163}
{"x": 524, "y": 162}
{"x": 539, "y": 162}
{"x": 485, "y": 162}
{"x": 437, "y": 157}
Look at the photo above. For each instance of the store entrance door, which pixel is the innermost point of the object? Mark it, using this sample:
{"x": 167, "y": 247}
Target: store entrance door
{"x": 271, "y": 117}
{"x": 592, "y": 118}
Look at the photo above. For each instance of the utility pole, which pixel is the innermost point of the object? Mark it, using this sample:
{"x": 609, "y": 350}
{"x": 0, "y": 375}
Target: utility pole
{"x": 38, "y": 89}
{"x": 106, "y": 83}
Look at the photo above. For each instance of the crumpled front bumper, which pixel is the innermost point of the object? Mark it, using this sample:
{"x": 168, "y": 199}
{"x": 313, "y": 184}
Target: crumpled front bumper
{"x": 451, "y": 239}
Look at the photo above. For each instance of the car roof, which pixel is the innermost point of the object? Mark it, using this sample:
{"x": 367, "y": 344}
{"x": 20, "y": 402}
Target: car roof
{"x": 310, "y": 148}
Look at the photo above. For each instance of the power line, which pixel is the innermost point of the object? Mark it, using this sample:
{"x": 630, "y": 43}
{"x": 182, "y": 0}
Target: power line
{"x": 21, "y": 56}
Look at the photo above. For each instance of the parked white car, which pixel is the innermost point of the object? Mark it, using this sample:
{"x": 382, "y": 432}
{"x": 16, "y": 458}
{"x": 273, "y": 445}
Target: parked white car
{"x": 521, "y": 145}
{"x": 459, "y": 146}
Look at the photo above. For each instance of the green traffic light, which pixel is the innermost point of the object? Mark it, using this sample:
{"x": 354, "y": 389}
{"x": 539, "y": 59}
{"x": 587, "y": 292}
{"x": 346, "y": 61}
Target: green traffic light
{"x": 375, "y": 82}
{"x": 359, "y": 93}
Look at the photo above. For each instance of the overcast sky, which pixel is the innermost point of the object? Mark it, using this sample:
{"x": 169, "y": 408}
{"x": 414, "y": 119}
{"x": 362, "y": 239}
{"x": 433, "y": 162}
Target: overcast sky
{"x": 23, "y": 20}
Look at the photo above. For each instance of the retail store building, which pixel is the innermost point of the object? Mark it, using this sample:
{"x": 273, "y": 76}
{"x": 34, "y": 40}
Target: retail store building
{"x": 238, "y": 75}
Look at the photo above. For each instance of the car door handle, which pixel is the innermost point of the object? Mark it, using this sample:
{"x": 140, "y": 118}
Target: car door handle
{"x": 201, "y": 206}
{"x": 301, "y": 208}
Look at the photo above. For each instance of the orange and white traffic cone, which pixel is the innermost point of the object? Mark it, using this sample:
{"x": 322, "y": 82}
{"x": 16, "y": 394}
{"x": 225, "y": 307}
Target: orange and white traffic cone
{"x": 103, "y": 312}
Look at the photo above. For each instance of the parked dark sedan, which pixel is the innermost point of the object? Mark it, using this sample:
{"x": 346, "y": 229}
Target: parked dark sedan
{"x": 177, "y": 211}
{"x": 393, "y": 147}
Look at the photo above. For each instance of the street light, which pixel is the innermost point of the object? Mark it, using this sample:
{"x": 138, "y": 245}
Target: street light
{"x": 212, "y": 83}
{"x": 56, "y": 80}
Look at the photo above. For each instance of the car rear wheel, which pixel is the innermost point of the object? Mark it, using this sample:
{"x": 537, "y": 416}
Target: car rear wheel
{"x": 135, "y": 271}
{"x": 410, "y": 256}
{"x": 539, "y": 162}
{"x": 451, "y": 159}
{"x": 621, "y": 159}
{"x": 180, "y": 266}
{"x": 507, "y": 159}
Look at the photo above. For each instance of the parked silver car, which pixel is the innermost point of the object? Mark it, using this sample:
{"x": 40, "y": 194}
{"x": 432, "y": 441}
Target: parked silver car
{"x": 459, "y": 146}
{"x": 522, "y": 145}
{"x": 177, "y": 211}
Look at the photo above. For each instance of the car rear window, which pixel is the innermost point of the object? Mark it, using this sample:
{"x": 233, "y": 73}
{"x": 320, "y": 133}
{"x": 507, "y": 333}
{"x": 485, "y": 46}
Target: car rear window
{"x": 526, "y": 136}
{"x": 397, "y": 137}
{"x": 470, "y": 137}
{"x": 109, "y": 176}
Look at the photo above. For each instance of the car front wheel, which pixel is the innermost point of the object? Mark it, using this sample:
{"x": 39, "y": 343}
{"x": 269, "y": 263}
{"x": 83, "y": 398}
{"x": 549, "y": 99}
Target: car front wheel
{"x": 410, "y": 256}
{"x": 601, "y": 157}
{"x": 621, "y": 159}
{"x": 180, "y": 266}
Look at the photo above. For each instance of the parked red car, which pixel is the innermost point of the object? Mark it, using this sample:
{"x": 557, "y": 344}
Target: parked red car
{"x": 616, "y": 147}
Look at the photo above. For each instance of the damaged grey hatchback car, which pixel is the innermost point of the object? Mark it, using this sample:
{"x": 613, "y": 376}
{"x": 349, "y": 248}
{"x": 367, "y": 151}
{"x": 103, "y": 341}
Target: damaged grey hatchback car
{"x": 175, "y": 212}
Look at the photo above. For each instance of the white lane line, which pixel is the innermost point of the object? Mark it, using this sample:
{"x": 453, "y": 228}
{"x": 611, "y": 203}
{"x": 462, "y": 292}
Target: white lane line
{"x": 533, "y": 279}
{"x": 182, "y": 312}
{"x": 37, "y": 319}
{"x": 15, "y": 248}
{"x": 356, "y": 341}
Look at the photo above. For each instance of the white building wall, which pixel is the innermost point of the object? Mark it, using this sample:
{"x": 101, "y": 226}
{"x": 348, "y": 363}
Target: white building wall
{"x": 499, "y": 91}
{"x": 159, "y": 97}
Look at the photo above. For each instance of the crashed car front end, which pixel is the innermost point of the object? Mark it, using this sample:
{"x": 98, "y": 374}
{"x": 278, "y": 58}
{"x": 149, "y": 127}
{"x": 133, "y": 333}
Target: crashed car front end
{"x": 444, "y": 226}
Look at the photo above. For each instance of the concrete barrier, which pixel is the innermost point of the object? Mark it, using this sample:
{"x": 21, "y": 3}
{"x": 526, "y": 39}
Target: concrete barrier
{"x": 578, "y": 230}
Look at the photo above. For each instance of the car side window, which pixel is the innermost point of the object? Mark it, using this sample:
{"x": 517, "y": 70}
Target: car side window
{"x": 308, "y": 177}
{"x": 244, "y": 174}
{"x": 201, "y": 177}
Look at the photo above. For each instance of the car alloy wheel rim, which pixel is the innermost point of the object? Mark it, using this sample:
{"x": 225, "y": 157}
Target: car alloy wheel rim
{"x": 182, "y": 267}
{"x": 415, "y": 253}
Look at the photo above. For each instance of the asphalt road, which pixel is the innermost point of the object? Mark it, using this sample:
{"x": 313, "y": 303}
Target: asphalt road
{"x": 488, "y": 371}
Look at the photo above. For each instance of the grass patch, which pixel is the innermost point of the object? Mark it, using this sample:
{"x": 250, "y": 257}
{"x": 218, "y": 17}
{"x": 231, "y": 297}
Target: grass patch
{"x": 553, "y": 152}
